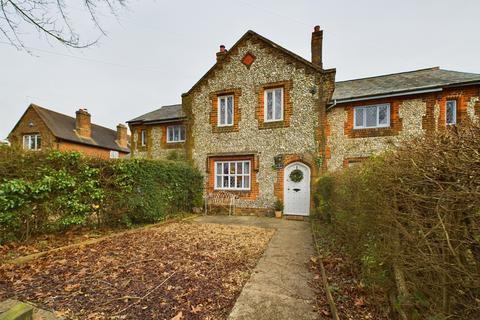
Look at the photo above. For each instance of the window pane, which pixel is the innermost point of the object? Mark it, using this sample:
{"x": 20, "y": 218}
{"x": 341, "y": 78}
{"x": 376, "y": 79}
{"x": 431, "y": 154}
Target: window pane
{"x": 25, "y": 142}
{"x": 176, "y": 134}
{"x": 218, "y": 183}
{"x": 182, "y": 133}
{"x": 219, "y": 168}
{"x": 239, "y": 167}
{"x": 383, "y": 114}
{"x": 32, "y": 142}
{"x": 371, "y": 116}
{"x": 232, "y": 182}
{"x": 232, "y": 167}
{"x": 225, "y": 168}
{"x": 451, "y": 112}
{"x": 225, "y": 182}
{"x": 246, "y": 182}
{"x": 359, "y": 117}
{"x": 246, "y": 167}
{"x": 240, "y": 182}
{"x": 222, "y": 111}
{"x": 39, "y": 142}
{"x": 269, "y": 105}
{"x": 278, "y": 104}
{"x": 230, "y": 110}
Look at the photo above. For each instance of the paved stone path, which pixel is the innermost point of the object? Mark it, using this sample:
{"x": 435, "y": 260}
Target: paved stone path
{"x": 278, "y": 287}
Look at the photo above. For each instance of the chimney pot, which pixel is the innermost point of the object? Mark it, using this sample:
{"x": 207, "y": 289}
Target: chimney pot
{"x": 83, "y": 124}
{"x": 316, "y": 28}
{"x": 221, "y": 53}
{"x": 222, "y": 48}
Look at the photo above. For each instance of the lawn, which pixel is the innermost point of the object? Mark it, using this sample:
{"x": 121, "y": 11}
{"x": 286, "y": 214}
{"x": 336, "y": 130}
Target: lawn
{"x": 179, "y": 270}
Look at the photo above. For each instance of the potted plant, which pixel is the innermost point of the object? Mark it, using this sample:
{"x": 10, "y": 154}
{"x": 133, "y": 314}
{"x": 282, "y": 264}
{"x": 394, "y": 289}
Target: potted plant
{"x": 278, "y": 208}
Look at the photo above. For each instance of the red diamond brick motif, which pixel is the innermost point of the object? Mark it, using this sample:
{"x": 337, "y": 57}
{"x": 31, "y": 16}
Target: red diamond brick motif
{"x": 248, "y": 59}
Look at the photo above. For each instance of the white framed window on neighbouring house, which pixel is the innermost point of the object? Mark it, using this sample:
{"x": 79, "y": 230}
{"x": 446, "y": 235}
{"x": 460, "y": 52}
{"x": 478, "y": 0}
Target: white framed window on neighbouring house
{"x": 143, "y": 137}
{"x": 451, "y": 112}
{"x": 175, "y": 133}
{"x": 32, "y": 141}
{"x": 373, "y": 116}
{"x": 114, "y": 154}
{"x": 226, "y": 108}
{"x": 232, "y": 175}
{"x": 273, "y": 105}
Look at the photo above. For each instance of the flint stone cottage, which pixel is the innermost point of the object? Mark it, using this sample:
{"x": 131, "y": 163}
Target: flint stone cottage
{"x": 263, "y": 122}
{"x": 40, "y": 128}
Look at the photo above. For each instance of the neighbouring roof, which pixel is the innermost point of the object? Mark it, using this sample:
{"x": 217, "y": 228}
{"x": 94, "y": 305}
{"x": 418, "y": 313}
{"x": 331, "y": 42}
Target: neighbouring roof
{"x": 404, "y": 82}
{"x": 164, "y": 113}
{"x": 63, "y": 127}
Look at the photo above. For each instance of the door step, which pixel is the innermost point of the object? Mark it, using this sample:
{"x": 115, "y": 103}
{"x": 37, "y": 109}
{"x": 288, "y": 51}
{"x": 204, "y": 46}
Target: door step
{"x": 296, "y": 218}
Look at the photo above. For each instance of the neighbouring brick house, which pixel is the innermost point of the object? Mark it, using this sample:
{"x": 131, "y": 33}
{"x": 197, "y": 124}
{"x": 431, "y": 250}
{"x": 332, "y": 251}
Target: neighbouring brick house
{"x": 263, "y": 122}
{"x": 41, "y": 128}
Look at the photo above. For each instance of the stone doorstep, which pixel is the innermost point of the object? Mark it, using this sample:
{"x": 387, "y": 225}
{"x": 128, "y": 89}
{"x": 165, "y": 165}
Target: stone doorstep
{"x": 11, "y": 309}
{"x": 296, "y": 218}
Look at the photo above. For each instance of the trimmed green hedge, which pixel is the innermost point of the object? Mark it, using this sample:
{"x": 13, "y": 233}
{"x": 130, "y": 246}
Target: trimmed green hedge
{"x": 53, "y": 191}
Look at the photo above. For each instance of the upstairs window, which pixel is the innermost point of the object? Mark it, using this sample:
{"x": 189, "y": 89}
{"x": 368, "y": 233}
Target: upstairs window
{"x": 225, "y": 111}
{"x": 273, "y": 105}
{"x": 232, "y": 175}
{"x": 114, "y": 154}
{"x": 374, "y": 116}
{"x": 143, "y": 137}
{"x": 451, "y": 112}
{"x": 32, "y": 142}
{"x": 175, "y": 133}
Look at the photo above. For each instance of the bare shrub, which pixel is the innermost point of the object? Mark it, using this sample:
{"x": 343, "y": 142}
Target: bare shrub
{"x": 411, "y": 220}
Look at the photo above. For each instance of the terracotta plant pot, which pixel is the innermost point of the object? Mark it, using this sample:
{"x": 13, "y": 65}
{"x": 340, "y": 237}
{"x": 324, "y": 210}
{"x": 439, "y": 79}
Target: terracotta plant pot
{"x": 278, "y": 214}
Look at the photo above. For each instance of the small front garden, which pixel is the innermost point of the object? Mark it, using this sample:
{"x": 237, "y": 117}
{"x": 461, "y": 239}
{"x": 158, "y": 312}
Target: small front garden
{"x": 177, "y": 270}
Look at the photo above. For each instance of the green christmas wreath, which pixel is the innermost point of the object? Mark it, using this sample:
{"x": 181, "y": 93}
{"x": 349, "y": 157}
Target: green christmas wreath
{"x": 296, "y": 175}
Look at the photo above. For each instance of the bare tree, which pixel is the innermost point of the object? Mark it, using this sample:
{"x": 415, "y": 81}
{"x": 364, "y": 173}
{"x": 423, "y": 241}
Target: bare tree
{"x": 51, "y": 18}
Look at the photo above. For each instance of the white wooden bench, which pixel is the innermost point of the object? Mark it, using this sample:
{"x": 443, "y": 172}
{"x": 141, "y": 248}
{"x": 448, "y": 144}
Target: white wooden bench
{"x": 221, "y": 198}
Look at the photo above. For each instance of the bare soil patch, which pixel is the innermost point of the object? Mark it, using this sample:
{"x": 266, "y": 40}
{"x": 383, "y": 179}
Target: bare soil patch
{"x": 183, "y": 270}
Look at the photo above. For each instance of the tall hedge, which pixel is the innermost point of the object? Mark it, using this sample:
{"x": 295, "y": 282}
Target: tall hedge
{"x": 410, "y": 221}
{"x": 51, "y": 191}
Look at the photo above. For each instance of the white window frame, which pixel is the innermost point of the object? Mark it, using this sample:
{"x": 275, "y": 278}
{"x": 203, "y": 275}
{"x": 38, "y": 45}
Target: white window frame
{"x": 29, "y": 137}
{"x": 265, "y": 105}
{"x": 114, "y": 154}
{"x": 143, "y": 137}
{"x": 178, "y": 127}
{"x": 243, "y": 174}
{"x": 225, "y": 118}
{"x": 378, "y": 125}
{"x": 454, "y": 112}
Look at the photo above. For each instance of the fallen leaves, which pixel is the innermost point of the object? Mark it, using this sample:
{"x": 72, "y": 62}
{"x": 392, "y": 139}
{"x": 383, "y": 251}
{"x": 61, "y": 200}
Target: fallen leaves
{"x": 176, "y": 271}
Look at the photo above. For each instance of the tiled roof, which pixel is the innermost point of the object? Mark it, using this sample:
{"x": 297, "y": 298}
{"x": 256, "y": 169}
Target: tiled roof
{"x": 401, "y": 82}
{"x": 63, "y": 127}
{"x": 172, "y": 112}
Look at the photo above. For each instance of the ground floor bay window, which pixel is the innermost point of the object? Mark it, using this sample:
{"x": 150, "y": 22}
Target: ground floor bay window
{"x": 232, "y": 175}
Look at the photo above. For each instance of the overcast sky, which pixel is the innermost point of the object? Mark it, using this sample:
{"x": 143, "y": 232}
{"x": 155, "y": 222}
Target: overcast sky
{"x": 157, "y": 50}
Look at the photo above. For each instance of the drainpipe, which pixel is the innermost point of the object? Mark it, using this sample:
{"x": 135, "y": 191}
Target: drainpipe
{"x": 333, "y": 105}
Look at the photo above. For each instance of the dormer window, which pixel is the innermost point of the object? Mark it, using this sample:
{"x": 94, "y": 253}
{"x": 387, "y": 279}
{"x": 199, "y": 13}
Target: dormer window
{"x": 273, "y": 105}
{"x": 451, "y": 112}
{"x": 373, "y": 116}
{"x": 225, "y": 110}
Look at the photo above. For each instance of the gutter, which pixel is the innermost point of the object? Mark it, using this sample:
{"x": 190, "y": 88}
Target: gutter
{"x": 406, "y": 93}
{"x": 156, "y": 121}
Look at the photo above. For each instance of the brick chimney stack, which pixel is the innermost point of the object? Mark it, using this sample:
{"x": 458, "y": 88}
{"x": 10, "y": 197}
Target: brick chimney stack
{"x": 221, "y": 53}
{"x": 122, "y": 138}
{"x": 83, "y": 124}
{"x": 317, "y": 43}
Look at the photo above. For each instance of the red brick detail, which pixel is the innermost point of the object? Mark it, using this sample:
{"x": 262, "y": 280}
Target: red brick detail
{"x": 347, "y": 162}
{"x": 395, "y": 120}
{"x": 172, "y": 145}
{"x": 248, "y": 59}
{"x": 287, "y": 105}
{"x": 236, "y": 110}
{"x": 288, "y": 159}
{"x": 428, "y": 120}
{"x": 247, "y": 194}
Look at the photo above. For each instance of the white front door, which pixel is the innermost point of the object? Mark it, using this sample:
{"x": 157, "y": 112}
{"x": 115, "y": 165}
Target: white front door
{"x": 296, "y": 187}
